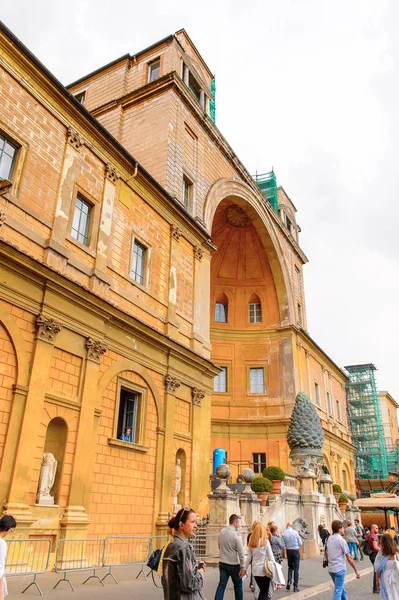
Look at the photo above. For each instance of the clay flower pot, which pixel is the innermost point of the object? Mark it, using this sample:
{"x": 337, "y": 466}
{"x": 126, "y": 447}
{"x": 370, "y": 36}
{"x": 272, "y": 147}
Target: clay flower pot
{"x": 263, "y": 496}
{"x": 276, "y": 486}
{"x": 342, "y": 506}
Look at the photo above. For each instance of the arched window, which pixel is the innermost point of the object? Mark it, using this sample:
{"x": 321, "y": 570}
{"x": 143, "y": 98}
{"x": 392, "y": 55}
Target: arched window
{"x": 221, "y": 307}
{"x": 55, "y": 443}
{"x": 254, "y": 309}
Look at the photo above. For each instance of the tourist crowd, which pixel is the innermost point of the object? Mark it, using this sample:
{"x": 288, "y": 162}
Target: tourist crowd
{"x": 183, "y": 575}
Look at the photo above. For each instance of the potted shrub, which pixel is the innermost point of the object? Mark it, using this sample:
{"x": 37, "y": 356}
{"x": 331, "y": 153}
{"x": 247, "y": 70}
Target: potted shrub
{"x": 337, "y": 491}
{"x": 276, "y": 476}
{"x": 342, "y": 502}
{"x": 262, "y": 488}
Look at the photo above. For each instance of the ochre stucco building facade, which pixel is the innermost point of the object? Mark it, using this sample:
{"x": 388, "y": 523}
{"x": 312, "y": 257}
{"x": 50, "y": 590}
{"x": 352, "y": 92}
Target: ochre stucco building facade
{"x": 139, "y": 260}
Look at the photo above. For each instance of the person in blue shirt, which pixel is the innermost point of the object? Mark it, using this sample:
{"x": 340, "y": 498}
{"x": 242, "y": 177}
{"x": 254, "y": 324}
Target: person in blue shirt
{"x": 292, "y": 543}
{"x": 126, "y": 436}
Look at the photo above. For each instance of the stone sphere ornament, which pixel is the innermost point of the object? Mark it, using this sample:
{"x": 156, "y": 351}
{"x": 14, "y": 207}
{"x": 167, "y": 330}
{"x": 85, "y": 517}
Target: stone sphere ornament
{"x": 223, "y": 471}
{"x": 248, "y": 475}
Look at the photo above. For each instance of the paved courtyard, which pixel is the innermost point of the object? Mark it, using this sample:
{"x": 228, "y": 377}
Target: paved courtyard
{"x": 311, "y": 574}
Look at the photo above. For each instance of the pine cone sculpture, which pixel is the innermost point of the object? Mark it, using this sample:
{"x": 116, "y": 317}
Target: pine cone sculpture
{"x": 305, "y": 430}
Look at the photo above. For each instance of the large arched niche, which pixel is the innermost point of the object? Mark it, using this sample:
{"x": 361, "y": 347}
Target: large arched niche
{"x": 229, "y": 191}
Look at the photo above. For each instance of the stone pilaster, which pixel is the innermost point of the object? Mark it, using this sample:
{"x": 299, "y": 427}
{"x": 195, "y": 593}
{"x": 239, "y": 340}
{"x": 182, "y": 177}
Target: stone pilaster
{"x": 167, "y": 462}
{"x": 17, "y": 504}
{"x": 75, "y": 518}
{"x": 200, "y": 334}
{"x": 172, "y": 327}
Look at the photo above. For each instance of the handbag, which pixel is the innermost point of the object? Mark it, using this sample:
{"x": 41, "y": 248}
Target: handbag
{"x": 268, "y": 568}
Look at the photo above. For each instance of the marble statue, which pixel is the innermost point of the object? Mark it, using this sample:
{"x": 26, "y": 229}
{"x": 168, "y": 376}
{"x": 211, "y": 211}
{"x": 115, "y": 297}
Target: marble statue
{"x": 301, "y": 527}
{"x": 46, "y": 479}
{"x": 177, "y": 485}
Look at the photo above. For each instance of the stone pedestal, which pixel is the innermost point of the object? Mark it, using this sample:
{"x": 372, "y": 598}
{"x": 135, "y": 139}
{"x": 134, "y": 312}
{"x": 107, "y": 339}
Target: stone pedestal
{"x": 326, "y": 485}
{"x": 45, "y": 500}
{"x": 250, "y": 509}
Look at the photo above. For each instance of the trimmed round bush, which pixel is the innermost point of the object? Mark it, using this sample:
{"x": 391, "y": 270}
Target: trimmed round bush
{"x": 274, "y": 473}
{"x": 337, "y": 488}
{"x": 344, "y": 499}
{"x": 261, "y": 484}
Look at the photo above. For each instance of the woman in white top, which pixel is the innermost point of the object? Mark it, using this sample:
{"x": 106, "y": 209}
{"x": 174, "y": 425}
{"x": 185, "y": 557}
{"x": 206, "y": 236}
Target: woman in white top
{"x": 7, "y": 525}
{"x": 258, "y": 549}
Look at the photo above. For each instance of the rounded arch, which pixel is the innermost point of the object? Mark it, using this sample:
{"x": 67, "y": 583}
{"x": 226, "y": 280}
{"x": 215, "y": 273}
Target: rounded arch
{"x": 55, "y": 443}
{"x": 346, "y": 468}
{"x": 19, "y": 346}
{"x": 131, "y": 365}
{"x": 246, "y": 199}
{"x": 222, "y": 297}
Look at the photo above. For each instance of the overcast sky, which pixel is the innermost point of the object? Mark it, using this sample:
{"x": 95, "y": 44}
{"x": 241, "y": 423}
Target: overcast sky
{"x": 309, "y": 87}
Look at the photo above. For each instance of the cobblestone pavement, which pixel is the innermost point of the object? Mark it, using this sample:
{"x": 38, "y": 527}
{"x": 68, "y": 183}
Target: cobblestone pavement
{"x": 311, "y": 574}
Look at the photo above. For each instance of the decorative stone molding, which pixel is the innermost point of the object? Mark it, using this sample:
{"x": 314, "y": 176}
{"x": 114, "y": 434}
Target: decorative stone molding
{"x": 198, "y": 252}
{"x": 176, "y": 232}
{"x": 74, "y": 138}
{"x": 323, "y": 369}
{"x": 307, "y": 353}
{"x": 46, "y": 329}
{"x": 112, "y": 173}
{"x": 95, "y": 349}
{"x": 171, "y": 384}
{"x": 332, "y": 454}
{"x": 197, "y": 396}
{"x": 299, "y": 345}
{"x": 3, "y": 217}
{"x": 235, "y": 216}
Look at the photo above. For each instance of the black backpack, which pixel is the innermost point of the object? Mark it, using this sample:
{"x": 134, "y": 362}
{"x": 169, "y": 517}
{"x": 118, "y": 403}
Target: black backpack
{"x": 153, "y": 561}
{"x": 367, "y": 549}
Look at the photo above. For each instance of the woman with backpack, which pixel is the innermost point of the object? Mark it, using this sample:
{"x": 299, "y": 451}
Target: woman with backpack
{"x": 183, "y": 575}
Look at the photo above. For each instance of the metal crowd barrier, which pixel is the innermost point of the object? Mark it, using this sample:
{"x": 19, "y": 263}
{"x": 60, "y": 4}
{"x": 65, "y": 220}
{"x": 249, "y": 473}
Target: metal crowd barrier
{"x": 79, "y": 555}
{"x": 28, "y": 557}
{"x": 124, "y": 551}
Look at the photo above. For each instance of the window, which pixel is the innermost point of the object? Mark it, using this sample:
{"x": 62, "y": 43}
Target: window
{"x": 139, "y": 254}
{"x": 329, "y": 405}
{"x": 220, "y": 381}
{"x": 127, "y": 428}
{"x": 259, "y": 462}
{"x": 154, "y": 69}
{"x": 194, "y": 86}
{"x": 81, "y": 97}
{"x": 81, "y": 220}
{"x": 8, "y": 154}
{"x": 220, "y": 313}
{"x": 338, "y": 409}
{"x": 187, "y": 192}
{"x": 256, "y": 380}
{"x": 317, "y": 393}
{"x": 255, "y": 312}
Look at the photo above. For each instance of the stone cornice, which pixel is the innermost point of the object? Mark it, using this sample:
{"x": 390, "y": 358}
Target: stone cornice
{"x": 46, "y": 328}
{"x": 95, "y": 349}
{"x": 13, "y": 259}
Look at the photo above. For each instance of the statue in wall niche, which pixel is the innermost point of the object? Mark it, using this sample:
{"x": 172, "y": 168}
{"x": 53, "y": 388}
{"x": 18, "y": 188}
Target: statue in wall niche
{"x": 177, "y": 485}
{"x": 46, "y": 479}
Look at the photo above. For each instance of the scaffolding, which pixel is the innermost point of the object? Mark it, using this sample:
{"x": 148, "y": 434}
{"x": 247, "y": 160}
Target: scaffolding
{"x": 212, "y": 102}
{"x": 367, "y": 429}
{"x": 267, "y": 183}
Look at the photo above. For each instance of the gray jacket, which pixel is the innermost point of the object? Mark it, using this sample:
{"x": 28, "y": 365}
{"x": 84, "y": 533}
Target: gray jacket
{"x": 230, "y": 545}
{"x": 180, "y": 578}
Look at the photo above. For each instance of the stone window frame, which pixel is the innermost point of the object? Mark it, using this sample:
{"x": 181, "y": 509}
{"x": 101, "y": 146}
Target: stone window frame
{"x": 187, "y": 178}
{"x": 80, "y": 97}
{"x": 329, "y": 404}
{"x": 339, "y": 411}
{"x": 142, "y": 411}
{"x": 228, "y": 371}
{"x": 147, "y": 261}
{"x": 20, "y": 159}
{"x": 317, "y": 397}
{"x": 265, "y": 379}
{"x": 150, "y": 64}
{"x": 94, "y": 220}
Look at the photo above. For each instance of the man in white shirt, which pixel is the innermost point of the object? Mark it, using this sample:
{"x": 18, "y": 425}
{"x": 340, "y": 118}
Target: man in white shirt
{"x": 231, "y": 559}
{"x": 337, "y": 551}
{"x": 292, "y": 543}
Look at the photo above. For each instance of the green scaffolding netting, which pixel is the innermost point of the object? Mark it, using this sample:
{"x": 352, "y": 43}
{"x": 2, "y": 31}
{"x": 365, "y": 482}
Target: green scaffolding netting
{"x": 267, "y": 183}
{"x": 212, "y": 102}
{"x": 367, "y": 428}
